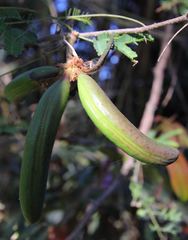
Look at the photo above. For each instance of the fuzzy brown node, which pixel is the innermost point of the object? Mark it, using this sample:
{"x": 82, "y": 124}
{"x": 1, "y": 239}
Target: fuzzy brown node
{"x": 73, "y": 67}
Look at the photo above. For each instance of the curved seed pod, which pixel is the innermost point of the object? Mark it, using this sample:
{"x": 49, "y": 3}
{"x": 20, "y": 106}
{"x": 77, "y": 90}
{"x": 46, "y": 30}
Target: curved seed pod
{"x": 38, "y": 147}
{"x": 28, "y": 81}
{"x": 116, "y": 127}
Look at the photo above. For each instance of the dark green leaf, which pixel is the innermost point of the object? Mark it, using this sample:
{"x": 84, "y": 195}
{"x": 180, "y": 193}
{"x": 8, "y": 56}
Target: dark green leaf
{"x": 15, "y": 40}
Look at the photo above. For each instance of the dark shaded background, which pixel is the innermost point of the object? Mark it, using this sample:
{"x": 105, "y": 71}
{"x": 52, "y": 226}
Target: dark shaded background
{"x": 84, "y": 163}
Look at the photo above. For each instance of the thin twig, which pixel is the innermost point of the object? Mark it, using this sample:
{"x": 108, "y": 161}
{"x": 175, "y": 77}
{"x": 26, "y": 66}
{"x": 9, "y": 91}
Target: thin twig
{"x": 184, "y": 26}
{"x": 74, "y": 53}
{"x": 95, "y": 15}
{"x": 137, "y": 29}
{"x": 93, "y": 208}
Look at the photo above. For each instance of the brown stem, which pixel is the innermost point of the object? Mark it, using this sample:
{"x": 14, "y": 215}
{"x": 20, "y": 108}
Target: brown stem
{"x": 137, "y": 29}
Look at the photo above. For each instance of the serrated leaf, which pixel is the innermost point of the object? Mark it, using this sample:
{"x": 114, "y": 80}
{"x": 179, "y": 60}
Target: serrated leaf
{"x": 147, "y": 36}
{"x": 15, "y": 40}
{"x": 126, "y": 39}
{"x": 121, "y": 45}
{"x": 100, "y": 43}
{"x": 127, "y": 51}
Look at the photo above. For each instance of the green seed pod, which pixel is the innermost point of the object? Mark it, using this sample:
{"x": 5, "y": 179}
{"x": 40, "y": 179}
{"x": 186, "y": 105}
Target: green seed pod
{"x": 117, "y": 128}
{"x": 38, "y": 147}
{"x": 28, "y": 82}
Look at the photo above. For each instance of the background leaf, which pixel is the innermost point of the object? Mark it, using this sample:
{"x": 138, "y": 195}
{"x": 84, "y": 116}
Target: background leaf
{"x": 178, "y": 173}
{"x": 168, "y": 126}
{"x": 15, "y": 40}
{"x": 9, "y": 14}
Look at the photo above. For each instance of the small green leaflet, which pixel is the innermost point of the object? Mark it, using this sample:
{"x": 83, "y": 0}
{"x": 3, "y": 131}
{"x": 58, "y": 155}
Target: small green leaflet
{"x": 127, "y": 39}
{"x": 122, "y": 41}
{"x": 100, "y": 43}
{"x": 121, "y": 45}
{"x": 15, "y": 40}
{"x": 77, "y": 15}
